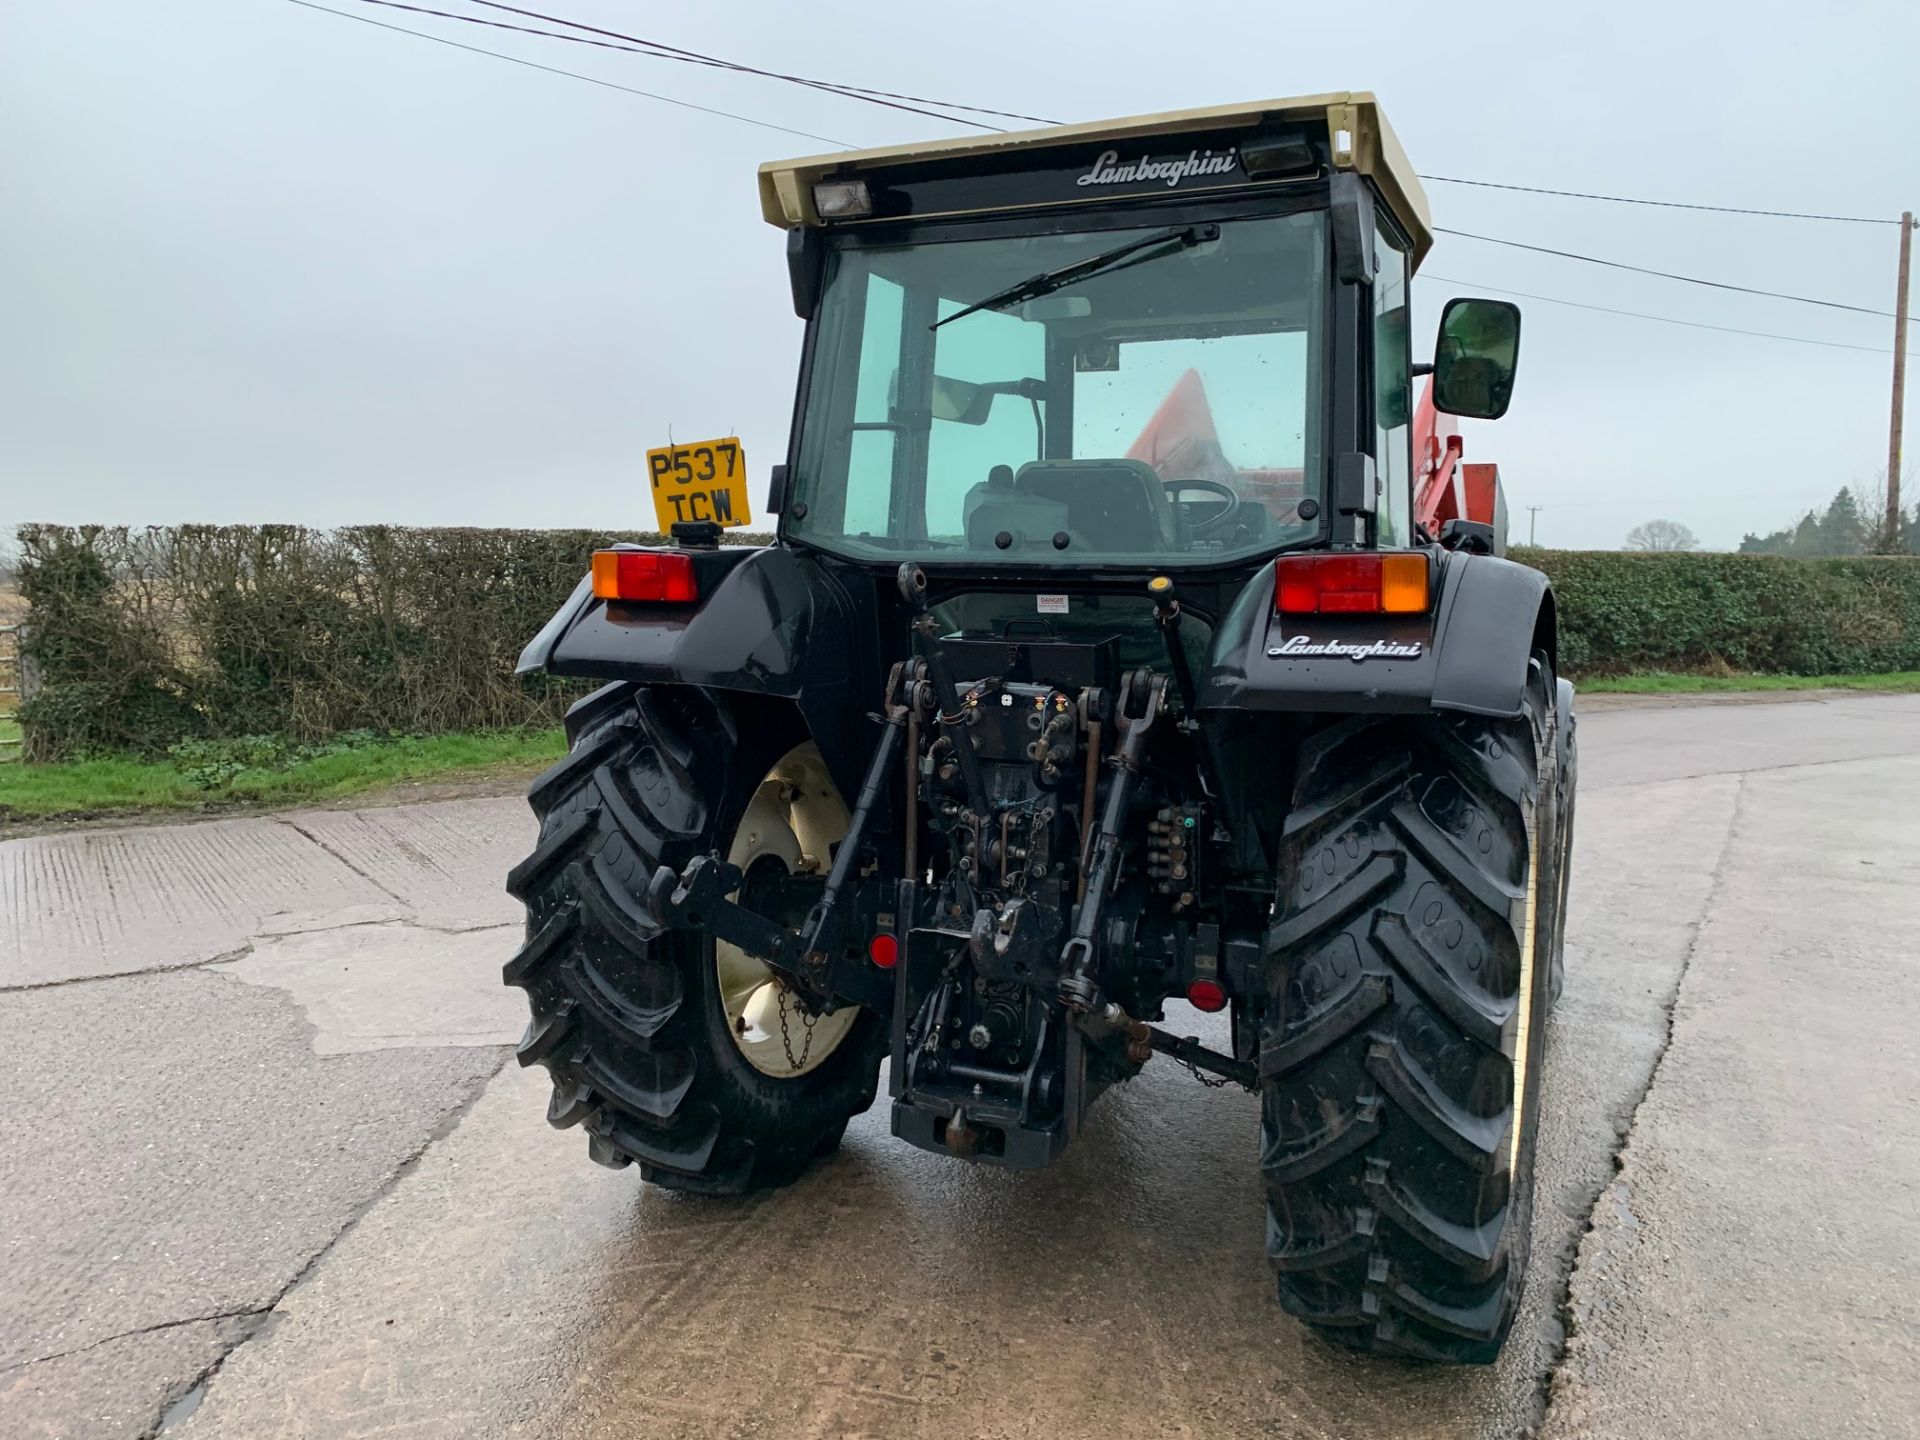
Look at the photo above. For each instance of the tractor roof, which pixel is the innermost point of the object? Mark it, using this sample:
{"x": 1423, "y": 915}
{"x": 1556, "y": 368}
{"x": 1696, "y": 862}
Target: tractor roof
{"x": 1370, "y": 147}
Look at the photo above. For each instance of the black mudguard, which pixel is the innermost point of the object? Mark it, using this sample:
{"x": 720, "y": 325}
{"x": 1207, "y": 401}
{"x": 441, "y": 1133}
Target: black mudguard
{"x": 774, "y": 623}
{"x": 1468, "y": 653}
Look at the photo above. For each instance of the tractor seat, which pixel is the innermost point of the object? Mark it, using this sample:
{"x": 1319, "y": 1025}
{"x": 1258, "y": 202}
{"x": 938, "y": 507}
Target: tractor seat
{"x": 995, "y": 507}
{"x": 1116, "y": 506}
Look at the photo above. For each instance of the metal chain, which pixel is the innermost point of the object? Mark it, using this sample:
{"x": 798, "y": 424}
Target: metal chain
{"x": 1212, "y": 1082}
{"x": 807, "y": 1021}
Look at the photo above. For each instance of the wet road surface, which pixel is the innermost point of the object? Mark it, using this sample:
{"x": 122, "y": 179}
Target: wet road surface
{"x": 265, "y": 1170}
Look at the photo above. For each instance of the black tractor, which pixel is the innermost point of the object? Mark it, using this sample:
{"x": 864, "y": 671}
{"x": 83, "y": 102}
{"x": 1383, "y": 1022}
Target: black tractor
{"x": 1100, "y": 660}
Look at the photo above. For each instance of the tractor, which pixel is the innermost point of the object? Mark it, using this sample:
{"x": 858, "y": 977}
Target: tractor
{"x": 1132, "y": 633}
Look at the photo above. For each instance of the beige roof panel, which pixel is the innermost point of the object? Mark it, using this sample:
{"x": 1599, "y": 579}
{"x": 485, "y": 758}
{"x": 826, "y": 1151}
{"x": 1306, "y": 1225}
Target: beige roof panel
{"x": 786, "y": 186}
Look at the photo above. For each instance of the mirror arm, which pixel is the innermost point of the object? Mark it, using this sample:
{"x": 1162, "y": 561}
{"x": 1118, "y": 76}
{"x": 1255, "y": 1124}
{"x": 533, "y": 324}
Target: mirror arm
{"x": 1417, "y": 369}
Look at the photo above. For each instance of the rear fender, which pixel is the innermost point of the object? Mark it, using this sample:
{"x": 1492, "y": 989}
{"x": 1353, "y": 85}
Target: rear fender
{"x": 776, "y": 624}
{"x": 1469, "y": 653}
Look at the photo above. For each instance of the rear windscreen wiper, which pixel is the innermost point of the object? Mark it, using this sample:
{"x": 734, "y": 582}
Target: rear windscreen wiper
{"x": 1181, "y": 237}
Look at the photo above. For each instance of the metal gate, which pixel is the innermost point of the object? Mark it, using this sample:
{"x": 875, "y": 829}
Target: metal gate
{"x": 12, "y": 689}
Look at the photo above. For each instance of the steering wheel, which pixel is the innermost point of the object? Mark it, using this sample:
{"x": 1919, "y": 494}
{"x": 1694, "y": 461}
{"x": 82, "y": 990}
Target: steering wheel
{"x": 1235, "y": 502}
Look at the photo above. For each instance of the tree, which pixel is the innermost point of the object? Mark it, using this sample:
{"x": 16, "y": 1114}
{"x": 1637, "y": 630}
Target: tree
{"x": 1874, "y": 536}
{"x": 1841, "y": 530}
{"x": 1662, "y": 535}
{"x": 1855, "y": 523}
{"x": 1777, "y": 542}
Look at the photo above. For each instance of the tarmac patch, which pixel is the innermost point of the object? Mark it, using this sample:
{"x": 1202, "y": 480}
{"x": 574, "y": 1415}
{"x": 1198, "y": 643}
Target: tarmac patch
{"x": 379, "y": 984}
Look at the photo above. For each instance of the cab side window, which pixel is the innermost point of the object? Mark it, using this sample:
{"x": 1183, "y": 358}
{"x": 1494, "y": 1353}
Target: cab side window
{"x": 1392, "y": 392}
{"x": 870, "y": 456}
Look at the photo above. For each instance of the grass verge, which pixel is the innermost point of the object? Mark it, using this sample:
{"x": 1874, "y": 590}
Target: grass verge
{"x": 1899, "y": 682}
{"x": 262, "y": 772}
{"x": 259, "y": 772}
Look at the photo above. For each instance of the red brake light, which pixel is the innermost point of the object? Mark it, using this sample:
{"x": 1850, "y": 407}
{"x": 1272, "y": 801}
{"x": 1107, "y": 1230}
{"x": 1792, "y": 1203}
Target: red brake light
{"x": 884, "y": 950}
{"x": 1351, "y": 584}
{"x": 654, "y": 576}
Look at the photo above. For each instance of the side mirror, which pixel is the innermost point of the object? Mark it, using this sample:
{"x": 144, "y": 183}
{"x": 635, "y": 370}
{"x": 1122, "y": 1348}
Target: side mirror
{"x": 961, "y": 400}
{"x": 1474, "y": 359}
{"x": 972, "y": 404}
{"x": 777, "y": 490}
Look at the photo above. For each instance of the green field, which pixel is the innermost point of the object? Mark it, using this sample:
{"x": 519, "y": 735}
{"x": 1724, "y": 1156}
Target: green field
{"x": 261, "y": 772}
{"x": 1659, "y": 683}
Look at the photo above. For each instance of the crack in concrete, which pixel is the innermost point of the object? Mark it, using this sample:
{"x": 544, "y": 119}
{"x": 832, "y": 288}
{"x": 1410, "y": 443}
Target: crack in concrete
{"x": 314, "y": 839}
{"x": 405, "y": 922}
{"x": 181, "y": 1401}
{"x": 129, "y": 1334}
{"x": 1743, "y": 772}
{"x": 225, "y": 957}
{"x": 1564, "y": 1313}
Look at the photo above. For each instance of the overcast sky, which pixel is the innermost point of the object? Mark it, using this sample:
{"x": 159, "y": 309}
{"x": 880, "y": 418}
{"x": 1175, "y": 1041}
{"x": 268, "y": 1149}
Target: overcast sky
{"x": 261, "y": 263}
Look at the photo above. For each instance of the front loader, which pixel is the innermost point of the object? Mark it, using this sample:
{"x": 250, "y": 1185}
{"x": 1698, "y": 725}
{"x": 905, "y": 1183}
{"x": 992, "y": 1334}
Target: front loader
{"x": 1116, "y": 648}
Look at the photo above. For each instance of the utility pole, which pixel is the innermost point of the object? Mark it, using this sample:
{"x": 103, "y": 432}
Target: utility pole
{"x": 1533, "y": 514}
{"x": 1899, "y": 382}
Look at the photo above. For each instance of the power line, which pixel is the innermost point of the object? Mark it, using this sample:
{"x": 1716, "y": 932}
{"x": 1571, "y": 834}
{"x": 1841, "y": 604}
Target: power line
{"x": 872, "y": 97}
{"x": 663, "y": 51}
{"x": 1663, "y": 319}
{"x": 516, "y": 29}
{"x": 658, "y": 50}
{"x": 1661, "y": 204}
{"x": 854, "y": 91}
{"x": 570, "y": 74}
{"x": 1663, "y": 274}
{"x": 653, "y": 52}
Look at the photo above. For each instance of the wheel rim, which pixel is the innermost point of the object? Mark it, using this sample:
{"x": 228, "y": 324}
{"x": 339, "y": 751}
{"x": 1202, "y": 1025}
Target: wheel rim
{"x": 797, "y": 816}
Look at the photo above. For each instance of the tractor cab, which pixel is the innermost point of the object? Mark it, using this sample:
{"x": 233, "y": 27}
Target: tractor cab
{"x": 1175, "y": 342}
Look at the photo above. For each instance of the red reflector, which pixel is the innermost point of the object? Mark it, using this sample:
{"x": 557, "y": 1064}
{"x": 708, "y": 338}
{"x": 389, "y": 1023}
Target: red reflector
{"x": 1349, "y": 602}
{"x": 1328, "y": 584}
{"x": 1207, "y": 995}
{"x": 656, "y": 576}
{"x": 1295, "y": 591}
{"x": 884, "y": 951}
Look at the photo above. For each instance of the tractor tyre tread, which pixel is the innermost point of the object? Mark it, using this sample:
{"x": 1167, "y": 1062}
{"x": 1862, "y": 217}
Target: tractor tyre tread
{"x": 1399, "y": 1205}
{"x": 626, "y": 1017}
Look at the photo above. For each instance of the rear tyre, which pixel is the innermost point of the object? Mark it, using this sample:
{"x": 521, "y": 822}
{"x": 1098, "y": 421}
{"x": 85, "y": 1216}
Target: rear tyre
{"x": 1407, "y": 973}
{"x": 652, "y": 1039}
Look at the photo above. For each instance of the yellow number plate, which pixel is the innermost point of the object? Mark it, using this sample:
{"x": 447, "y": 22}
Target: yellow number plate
{"x": 703, "y": 481}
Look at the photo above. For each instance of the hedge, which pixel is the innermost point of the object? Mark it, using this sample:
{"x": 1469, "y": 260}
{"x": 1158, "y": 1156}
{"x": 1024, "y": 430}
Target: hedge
{"x": 1763, "y": 614}
{"x": 141, "y": 638}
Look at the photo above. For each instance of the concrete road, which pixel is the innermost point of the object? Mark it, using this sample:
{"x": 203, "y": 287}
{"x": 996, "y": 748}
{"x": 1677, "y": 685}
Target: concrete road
{"x": 265, "y": 1171}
